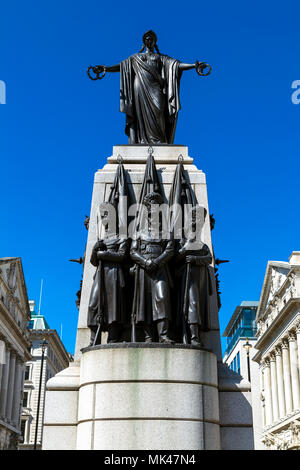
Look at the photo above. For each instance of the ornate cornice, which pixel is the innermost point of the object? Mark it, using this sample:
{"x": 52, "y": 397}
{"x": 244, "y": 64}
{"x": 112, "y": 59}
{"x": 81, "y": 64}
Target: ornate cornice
{"x": 292, "y": 336}
{"x": 272, "y": 356}
{"x": 267, "y": 362}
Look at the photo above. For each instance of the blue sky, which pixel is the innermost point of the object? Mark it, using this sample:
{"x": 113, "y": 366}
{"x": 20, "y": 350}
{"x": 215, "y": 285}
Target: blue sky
{"x": 58, "y": 127}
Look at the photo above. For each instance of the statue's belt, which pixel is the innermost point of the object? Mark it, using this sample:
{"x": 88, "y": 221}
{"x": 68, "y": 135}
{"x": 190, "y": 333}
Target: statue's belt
{"x": 151, "y": 249}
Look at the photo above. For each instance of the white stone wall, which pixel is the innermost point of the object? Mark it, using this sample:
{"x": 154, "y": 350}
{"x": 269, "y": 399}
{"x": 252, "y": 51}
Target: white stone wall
{"x": 254, "y": 386}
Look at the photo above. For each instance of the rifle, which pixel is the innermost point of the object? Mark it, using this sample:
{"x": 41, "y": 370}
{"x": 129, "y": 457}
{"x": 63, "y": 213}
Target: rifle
{"x": 133, "y": 313}
{"x": 98, "y": 332}
{"x": 185, "y": 304}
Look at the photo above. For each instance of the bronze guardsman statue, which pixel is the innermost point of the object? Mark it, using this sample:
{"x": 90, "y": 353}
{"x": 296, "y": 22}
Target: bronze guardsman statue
{"x": 192, "y": 283}
{"x": 195, "y": 290}
{"x": 149, "y": 91}
{"x": 151, "y": 253}
{"x": 109, "y": 299}
{"x": 152, "y": 300}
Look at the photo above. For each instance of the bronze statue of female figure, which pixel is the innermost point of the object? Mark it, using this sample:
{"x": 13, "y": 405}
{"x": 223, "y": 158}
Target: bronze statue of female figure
{"x": 149, "y": 92}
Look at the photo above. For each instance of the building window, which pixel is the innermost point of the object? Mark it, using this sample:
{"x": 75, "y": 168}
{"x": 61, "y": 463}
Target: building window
{"x": 23, "y": 429}
{"x": 238, "y": 363}
{"x": 27, "y": 373}
{"x": 235, "y": 364}
{"x": 25, "y": 399}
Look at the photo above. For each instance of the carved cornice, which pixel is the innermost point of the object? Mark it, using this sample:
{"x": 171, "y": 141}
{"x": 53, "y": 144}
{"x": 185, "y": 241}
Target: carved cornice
{"x": 284, "y": 343}
{"x": 288, "y": 438}
{"x": 281, "y": 297}
{"x": 267, "y": 362}
{"x": 272, "y": 356}
{"x": 292, "y": 336}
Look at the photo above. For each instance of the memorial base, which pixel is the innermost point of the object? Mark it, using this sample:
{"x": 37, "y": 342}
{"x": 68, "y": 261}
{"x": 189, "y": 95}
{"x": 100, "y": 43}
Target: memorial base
{"x": 138, "y": 397}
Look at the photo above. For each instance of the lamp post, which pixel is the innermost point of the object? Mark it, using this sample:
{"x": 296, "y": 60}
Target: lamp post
{"x": 43, "y": 344}
{"x": 248, "y": 346}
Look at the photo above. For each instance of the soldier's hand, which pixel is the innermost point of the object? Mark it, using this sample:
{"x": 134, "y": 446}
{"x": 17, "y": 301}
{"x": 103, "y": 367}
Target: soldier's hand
{"x": 155, "y": 265}
{"x": 98, "y": 245}
{"x": 190, "y": 259}
{"x": 101, "y": 254}
{"x": 150, "y": 265}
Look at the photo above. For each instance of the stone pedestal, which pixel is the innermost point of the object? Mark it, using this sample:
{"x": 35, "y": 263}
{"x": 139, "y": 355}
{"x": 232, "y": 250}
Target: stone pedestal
{"x": 138, "y": 396}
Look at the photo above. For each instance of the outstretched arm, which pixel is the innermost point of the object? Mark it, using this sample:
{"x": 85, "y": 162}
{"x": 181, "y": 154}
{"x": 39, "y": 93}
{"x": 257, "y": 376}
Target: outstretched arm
{"x": 111, "y": 68}
{"x": 186, "y": 66}
{"x": 199, "y": 66}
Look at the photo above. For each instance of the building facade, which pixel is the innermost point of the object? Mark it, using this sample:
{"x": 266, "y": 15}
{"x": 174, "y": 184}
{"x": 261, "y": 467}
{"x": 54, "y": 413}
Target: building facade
{"x": 278, "y": 353}
{"x": 39, "y": 369}
{"x": 241, "y": 339}
{"x": 14, "y": 348}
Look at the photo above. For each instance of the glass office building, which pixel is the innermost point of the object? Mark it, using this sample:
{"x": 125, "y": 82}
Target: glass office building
{"x": 242, "y": 325}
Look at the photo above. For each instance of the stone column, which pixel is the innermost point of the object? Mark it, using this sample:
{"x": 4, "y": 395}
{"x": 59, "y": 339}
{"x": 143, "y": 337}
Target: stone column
{"x": 17, "y": 393}
{"x": 3, "y": 392}
{"x": 298, "y": 342}
{"x": 262, "y": 393}
{"x": 2, "y": 357}
{"x": 287, "y": 376}
{"x": 268, "y": 394}
{"x": 10, "y": 386}
{"x": 280, "y": 386}
{"x": 274, "y": 390}
{"x": 294, "y": 369}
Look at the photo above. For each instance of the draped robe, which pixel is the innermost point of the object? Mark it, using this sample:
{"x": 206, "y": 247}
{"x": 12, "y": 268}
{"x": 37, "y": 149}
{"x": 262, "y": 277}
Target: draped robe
{"x": 149, "y": 96}
{"x": 194, "y": 288}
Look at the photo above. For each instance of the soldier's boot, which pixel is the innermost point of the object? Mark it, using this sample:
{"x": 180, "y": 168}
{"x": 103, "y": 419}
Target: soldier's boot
{"x": 194, "y": 332}
{"x": 114, "y": 332}
{"x": 163, "y": 332}
{"x": 148, "y": 330}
